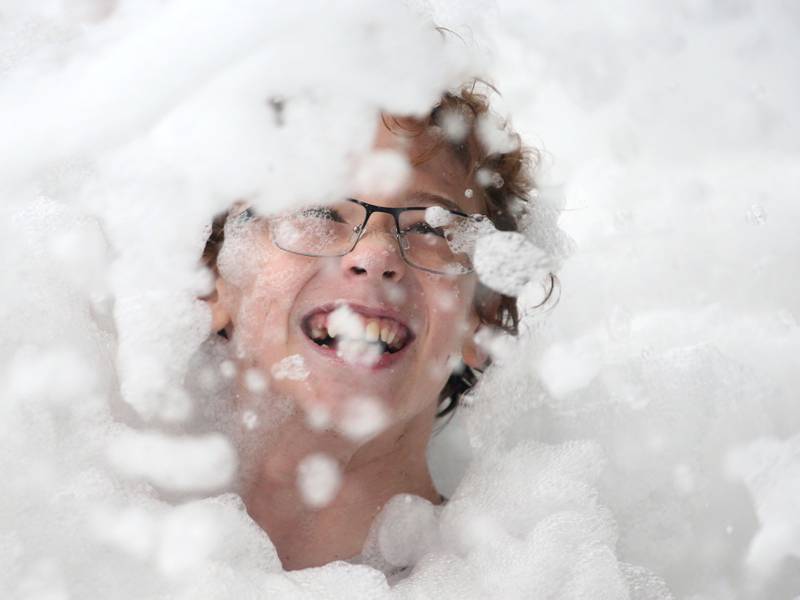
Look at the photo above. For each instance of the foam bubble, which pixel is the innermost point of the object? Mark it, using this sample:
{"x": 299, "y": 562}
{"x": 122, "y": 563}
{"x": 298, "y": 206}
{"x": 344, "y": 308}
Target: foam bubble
{"x": 382, "y": 173}
{"x": 255, "y": 381}
{"x": 362, "y": 417}
{"x": 319, "y": 479}
{"x": 494, "y": 136}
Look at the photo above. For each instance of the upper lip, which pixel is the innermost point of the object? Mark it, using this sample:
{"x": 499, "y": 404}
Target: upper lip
{"x": 366, "y": 311}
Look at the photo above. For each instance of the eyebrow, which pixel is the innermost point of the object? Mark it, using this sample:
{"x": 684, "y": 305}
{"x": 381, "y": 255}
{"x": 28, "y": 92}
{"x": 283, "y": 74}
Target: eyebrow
{"x": 434, "y": 199}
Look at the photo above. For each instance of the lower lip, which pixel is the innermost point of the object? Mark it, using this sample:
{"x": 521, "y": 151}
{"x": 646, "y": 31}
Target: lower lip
{"x": 386, "y": 359}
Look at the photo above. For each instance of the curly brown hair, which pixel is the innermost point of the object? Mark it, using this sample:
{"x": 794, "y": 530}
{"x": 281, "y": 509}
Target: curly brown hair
{"x": 505, "y": 185}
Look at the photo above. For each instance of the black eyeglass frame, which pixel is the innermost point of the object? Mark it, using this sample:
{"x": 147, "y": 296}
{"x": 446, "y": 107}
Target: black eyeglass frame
{"x": 399, "y": 235}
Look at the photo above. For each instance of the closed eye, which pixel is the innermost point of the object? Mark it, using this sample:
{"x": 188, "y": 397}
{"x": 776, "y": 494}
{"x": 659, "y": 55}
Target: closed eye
{"x": 323, "y": 212}
{"x": 248, "y": 214}
{"x": 424, "y": 228}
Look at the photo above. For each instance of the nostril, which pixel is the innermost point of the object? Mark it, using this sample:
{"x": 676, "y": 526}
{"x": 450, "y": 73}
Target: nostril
{"x": 358, "y": 270}
{"x": 389, "y": 274}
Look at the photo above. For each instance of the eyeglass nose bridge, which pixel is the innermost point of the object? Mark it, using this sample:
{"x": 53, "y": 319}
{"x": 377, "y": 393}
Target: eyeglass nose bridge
{"x": 402, "y": 241}
{"x": 361, "y": 229}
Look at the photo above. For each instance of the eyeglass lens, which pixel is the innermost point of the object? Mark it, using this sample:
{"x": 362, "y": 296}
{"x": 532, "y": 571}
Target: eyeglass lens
{"x": 438, "y": 245}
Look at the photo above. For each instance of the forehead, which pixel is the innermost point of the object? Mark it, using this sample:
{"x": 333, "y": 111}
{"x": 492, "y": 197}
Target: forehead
{"x": 436, "y": 170}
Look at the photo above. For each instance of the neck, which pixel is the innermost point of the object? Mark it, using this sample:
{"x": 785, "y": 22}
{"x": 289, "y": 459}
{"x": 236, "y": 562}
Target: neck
{"x": 391, "y": 463}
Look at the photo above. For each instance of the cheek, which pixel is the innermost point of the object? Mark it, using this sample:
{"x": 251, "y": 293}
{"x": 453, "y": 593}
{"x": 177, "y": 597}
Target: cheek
{"x": 269, "y": 280}
{"x": 450, "y": 299}
{"x": 449, "y": 304}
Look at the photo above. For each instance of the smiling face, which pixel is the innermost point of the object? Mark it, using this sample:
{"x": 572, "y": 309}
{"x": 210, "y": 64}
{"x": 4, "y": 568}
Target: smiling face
{"x": 330, "y": 331}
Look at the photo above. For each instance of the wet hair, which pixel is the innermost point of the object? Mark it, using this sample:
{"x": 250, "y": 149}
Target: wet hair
{"x": 503, "y": 180}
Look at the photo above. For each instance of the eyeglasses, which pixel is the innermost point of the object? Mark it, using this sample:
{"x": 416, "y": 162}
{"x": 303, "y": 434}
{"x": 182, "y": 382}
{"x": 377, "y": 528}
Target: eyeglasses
{"x": 430, "y": 238}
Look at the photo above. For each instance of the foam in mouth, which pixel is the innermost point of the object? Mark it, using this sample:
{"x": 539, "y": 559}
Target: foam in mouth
{"x": 350, "y": 333}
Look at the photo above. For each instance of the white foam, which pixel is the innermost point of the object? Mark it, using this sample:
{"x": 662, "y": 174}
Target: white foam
{"x": 292, "y": 367}
{"x": 771, "y": 470}
{"x": 127, "y": 125}
{"x": 362, "y": 417}
{"x": 382, "y": 173}
{"x": 181, "y": 464}
{"x": 255, "y": 381}
{"x": 506, "y": 262}
{"x": 319, "y": 479}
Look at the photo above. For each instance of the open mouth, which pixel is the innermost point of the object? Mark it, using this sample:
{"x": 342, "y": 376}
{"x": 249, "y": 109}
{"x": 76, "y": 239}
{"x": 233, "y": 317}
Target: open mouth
{"x": 346, "y": 327}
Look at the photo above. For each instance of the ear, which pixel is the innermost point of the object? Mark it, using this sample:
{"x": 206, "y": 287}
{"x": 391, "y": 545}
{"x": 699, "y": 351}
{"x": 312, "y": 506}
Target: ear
{"x": 217, "y": 302}
{"x": 473, "y": 355}
{"x": 485, "y": 306}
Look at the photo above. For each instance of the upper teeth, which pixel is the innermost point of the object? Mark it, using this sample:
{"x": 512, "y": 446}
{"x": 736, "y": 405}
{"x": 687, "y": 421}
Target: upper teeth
{"x": 346, "y": 324}
{"x": 372, "y": 331}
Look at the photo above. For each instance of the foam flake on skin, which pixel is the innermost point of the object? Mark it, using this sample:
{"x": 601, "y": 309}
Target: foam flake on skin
{"x": 292, "y": 367}
{"x": 250, "y": 419}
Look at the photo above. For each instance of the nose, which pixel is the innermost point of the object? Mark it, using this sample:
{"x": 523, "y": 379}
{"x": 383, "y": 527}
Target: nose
{"x": 376, "y": 255}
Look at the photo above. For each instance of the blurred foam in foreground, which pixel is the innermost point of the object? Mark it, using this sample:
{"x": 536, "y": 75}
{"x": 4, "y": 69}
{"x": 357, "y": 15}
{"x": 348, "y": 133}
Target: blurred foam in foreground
{"x": 639, "y": 441}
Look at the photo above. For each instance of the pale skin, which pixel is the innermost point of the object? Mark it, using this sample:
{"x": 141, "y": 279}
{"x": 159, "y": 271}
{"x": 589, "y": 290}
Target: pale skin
{"x": 262, "y": 305}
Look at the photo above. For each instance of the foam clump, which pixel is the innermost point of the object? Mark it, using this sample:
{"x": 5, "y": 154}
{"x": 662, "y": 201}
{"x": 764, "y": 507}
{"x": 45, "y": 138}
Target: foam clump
{"x": 339, "y": 579}
{"x": 197, "y": 549}
{"x": 197, "y": 534}
{"x": 406, "y": 530}
{"x": 437, "y": 216}
{"x": 523, "y": 523}
{"x": 506, "y": 262}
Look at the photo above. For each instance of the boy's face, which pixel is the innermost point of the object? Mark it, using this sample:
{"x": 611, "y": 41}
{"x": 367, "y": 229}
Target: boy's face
{"x": 279, "y": 305}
